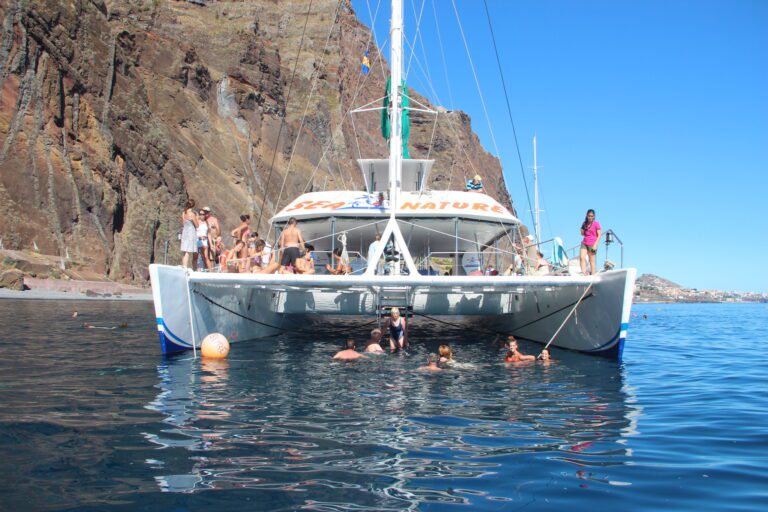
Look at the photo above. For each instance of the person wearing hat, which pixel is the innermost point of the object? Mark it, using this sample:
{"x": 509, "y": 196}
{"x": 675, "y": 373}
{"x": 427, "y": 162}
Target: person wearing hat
{"x": 475, "y": 184}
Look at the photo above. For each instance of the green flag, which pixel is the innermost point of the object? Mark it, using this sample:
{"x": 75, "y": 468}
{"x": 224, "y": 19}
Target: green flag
{"x": 406, "y": 118}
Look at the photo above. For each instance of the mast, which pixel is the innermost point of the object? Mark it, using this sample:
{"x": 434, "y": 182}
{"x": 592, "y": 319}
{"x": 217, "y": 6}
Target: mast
{"x": 395, "y": 147}
{"x": 396, "y": 118}
{"x": 536, "y": 211}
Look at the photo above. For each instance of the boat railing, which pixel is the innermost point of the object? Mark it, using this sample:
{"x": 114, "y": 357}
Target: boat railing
{"x": 610, "y": 238}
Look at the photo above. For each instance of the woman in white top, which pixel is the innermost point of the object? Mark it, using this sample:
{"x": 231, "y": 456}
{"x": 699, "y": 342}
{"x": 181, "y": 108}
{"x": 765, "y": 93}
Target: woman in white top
{"x": 202, "y": 239}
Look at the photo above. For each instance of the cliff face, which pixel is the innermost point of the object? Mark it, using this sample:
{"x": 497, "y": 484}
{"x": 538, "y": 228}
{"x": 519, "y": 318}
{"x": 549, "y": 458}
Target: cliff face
{"x": 114, "y": 112}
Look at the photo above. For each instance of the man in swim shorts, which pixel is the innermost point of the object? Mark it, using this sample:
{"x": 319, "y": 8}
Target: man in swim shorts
{"x": 290, "y": 243}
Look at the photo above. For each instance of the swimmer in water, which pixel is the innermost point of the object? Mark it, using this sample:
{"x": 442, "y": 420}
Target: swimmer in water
{"x": 513, "y": 355}
{"x": 544, "y": 356}
{"x": 446, "y": 354}
{"x": 373, "y": 345}
{"x": 431, "y": 365}
{"x": 349, "y": 353}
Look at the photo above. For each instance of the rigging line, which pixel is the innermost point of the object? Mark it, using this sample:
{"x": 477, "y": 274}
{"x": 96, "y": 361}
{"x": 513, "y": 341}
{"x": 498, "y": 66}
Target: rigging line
{"x": 210, "y": 300}
{"x": 339, "y": 126}
{"x": 306, "y": 109}
{"x": 477, "y": 82}
{"x": 285, "y": 114}
{"x": 442, "y": 55}
{"x": 354, "y": 130}
{"x": 432, "y": 138}
{"x": 416, "y": 36}
{"x": 373, "y": 33}
{"x": 451, "y": 121}
{"x": 509, "y": 110}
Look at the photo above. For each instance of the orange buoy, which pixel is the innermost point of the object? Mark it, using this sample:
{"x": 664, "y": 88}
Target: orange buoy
{"x": 215, "y": 346}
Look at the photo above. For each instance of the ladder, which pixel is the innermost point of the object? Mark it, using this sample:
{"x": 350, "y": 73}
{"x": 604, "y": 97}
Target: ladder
{"x": 393, "y": 297}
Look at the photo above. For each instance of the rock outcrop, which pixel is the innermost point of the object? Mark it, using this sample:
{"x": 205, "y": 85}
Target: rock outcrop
{"x": 114, "y": 112}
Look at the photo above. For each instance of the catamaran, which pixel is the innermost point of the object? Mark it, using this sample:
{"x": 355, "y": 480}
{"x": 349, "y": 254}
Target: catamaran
{"x": 432, "y": 261}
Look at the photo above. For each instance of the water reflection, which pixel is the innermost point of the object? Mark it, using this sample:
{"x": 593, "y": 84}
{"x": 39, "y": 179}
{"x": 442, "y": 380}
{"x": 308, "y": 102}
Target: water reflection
{"x": 381, "y": 435}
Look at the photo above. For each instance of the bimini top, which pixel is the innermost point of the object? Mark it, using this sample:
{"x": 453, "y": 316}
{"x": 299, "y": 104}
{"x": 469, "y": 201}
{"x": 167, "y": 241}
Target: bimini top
{"x": 435, "y": 204}
{"x": 415, "y": 174}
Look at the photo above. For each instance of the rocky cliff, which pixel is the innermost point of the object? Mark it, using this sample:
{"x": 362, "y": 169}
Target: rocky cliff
{"x": 114, "y": 112}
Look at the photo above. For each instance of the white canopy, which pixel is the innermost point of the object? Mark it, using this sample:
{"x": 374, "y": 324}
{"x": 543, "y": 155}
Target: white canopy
{"x": 376, "y": 174}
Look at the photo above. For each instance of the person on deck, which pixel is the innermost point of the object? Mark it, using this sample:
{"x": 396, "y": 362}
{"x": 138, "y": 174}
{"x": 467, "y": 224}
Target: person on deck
{"x": 341, "y": 267}
{"x": 202, "y": 239}
{"x": 214, "y": 233}
{"x": 243, "y": 232}
{"x": 397, "y": 331}
{"x": 371, "y": 250}
{"x": 290, "y": 244}
{"x": 542, "y": 265}
{"x": 475, "y": 184}
{"x": 373, "y": 345}
{"x": 591, "y": 231}
{"x": 306, "y": 264}
{"x": 229, "y": 260}
{"x": 349, "y": 353}
{"x": 431, "y": 365}
{"x": 513, "y": 355}
{"x": 189, "y": 235}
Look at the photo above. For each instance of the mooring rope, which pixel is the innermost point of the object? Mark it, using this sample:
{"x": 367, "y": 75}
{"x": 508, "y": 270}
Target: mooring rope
{"x": 313, "y": 331}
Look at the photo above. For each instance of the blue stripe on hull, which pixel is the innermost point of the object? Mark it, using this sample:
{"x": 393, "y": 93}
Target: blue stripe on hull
{"x": 169, "y": 342}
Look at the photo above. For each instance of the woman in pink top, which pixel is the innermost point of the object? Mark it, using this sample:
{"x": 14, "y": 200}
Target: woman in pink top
{"x": 591, "y": 231}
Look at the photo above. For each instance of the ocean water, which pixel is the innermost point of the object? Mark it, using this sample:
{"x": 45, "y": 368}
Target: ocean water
{"x": 97, "y": 419}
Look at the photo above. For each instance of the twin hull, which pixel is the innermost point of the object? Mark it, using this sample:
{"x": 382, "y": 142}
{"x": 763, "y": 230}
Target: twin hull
{"x": 190, "y": 305}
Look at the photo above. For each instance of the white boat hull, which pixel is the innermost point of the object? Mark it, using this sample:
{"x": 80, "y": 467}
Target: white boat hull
{"x": 190, "y": 305}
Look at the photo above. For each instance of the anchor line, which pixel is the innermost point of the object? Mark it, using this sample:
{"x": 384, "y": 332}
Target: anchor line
{"x": 204, "y": 296}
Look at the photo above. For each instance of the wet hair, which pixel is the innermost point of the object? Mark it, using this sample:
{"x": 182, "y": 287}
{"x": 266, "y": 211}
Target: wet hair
{"x": 190, "y": 204}
{"x": 292, "y": 221}
{"x": 445, "y": 351}
{"x": 350, "y": 344}
{"x": 245, "y": 217}
{"x": 433, "y": 359}
{"x": 377, "y": 330}
{"x": 585, "y": 224}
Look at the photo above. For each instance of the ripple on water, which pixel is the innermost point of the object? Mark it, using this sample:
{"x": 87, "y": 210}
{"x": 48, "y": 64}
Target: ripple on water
{"x": 96, "y": 418}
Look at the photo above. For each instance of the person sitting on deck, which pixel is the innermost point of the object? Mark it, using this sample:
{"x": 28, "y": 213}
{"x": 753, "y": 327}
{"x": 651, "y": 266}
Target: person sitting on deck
{"x": 341, "y": 266}
{"x": 229, "y": 260}
{"x": 431, "y": 365}
{"x": 475, "y": 184}
{"x": 349, "y": 353}
{"x": 542, "y": 265}
{"x": 513, "y": 355}
{"x": 373, "y": 345}
{"x": 255, "y": 255}
{"x": 306, "y": 264}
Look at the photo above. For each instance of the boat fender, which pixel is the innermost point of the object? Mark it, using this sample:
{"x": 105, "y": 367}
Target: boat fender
{"x": 215, "y": 346}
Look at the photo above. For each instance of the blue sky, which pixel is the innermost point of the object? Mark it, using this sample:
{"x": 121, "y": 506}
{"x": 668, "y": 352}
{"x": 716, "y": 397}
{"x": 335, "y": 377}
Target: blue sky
{"x": 654, "y": 113}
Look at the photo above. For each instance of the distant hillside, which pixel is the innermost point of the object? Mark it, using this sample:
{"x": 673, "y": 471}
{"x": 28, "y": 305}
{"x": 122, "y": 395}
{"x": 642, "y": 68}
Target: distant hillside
{"x": 650, "y": 281}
